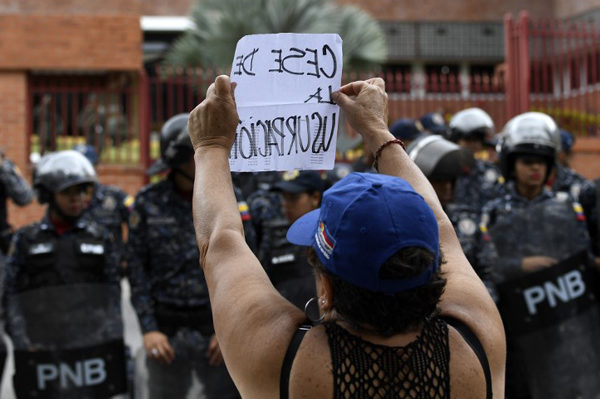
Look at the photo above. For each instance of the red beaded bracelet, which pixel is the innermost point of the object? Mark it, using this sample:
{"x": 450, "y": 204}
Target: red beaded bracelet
{"x": 378, "y": 152}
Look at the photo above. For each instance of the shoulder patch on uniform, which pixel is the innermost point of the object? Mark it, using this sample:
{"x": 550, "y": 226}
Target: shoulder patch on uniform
{"x": 575, "y": 190}
{"x": 134, "y": 219}
{"x": 467, "y": 227}
{"x": 244, "y": 210}
{"x": 579, "y": 211}
{"x": 561, "y": 196}
{"x": 129, "y": 201}
{"x": 491, "y": 176}
{"x": 109, "y": 203}
{"x": 485, "y": 218}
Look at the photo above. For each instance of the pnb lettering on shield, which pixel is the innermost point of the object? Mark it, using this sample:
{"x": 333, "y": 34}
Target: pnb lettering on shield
{"x": 567, "y": 288}
{"x": 84, "y": 373}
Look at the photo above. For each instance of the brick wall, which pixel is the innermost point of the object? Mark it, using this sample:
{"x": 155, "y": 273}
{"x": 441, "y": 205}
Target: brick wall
{"x": 62, "y": 7}
{"x": 129, "y": 178}
{"x": 566, "y": 9}
{"x": 463, "y": 10}
{"x": 13, "y": 112}
{"x": 161, "y": 7}
{"x": 13, "y": 116}
{"x": 586, "y": 157}
{"x": 70, "y": 42}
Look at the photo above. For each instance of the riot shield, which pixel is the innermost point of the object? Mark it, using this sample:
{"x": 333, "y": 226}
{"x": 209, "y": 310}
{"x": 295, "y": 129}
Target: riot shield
{"x": 288, "y": 268}
{"x": 68, "y": 342}
{"x": 552, "y": 318}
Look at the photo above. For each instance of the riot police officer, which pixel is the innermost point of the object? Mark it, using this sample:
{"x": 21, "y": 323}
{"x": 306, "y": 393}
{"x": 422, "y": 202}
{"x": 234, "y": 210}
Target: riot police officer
{"x": 565, "y": 179}
{"x": 288, "y": 267}
{"x": 265, "y": 206}
{"x": 471, "y": 128}
{"x": 442, "y": 162}
{"x": 15, "y": 187}
{"x": 168, "y": 289}
{"x": 62, "y": 292}
{"x": 536, "y": 243}
{"x": 109, "y": 205}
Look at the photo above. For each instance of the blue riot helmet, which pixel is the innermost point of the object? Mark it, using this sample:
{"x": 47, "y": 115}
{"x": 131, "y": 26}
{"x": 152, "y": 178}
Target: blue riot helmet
{"x": 471, "y": 123}
{"x": 60, "y": 170}
{"x": 175, "y": 145}
{"x": 531, "y": 133}
{"x": 87, "y": 151}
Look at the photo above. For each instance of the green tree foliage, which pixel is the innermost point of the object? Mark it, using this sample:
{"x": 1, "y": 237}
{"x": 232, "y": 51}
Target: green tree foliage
{"x": 219, "y": 24}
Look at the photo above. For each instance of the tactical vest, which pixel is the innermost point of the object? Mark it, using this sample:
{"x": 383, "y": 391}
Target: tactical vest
{"x": 76, "y": 257}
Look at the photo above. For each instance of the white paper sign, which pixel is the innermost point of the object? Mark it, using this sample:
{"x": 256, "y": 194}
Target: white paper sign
{"x": 283, "y": 95}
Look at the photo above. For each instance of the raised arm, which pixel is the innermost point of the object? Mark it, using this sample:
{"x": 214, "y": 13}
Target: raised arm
{"x": 252, "y": 321}
{"x": 365, "y": 106}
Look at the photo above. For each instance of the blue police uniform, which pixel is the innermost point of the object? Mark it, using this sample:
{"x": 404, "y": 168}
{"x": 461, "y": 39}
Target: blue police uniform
{"x": 168, "y": 290}
{"x": 569, "y": 181}
{"x": 465, "y": 220}
{"x": 15, "y": 187}
{"x": 110, "y": 207}
{"x": 562, "y": 359}
{"x": 265, "y": 206}
{"x": 63, "y": 302}
{"x": 40, "y": 257}
{"x": 479, "y": 185}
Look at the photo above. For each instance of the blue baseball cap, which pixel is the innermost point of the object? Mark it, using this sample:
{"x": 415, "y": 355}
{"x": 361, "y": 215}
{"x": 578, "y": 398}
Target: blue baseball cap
{"x": 407, "y": 129}
{"x": 299, "y": 181}
{"x": 567, "y": 140}
{"x": 87, "y": 151}
{"x": 364, "y": 219}
{"x": 435, "y": 123}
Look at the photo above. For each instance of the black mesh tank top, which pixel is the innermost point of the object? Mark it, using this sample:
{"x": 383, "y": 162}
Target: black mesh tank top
{"x": 364, "y": 370}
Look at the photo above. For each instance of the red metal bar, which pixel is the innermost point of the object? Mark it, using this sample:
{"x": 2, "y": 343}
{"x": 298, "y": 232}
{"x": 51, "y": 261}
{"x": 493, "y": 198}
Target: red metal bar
{"x": 144, "y": 121}
{"x": 509, "y": 77}
{"x": 524, "y": 62}
{"x": 180, "y": 96}
{"x": 189, "y": 89}
{"x": 64, "y": 115}
{"x": 29, "y": 121}
{"x": 74, "y": 113}
{"x": 170, "y": 94}
{"x": 53, "y": 110}
{"x": 159, "y": 117}
{"x": 122, "y": 113}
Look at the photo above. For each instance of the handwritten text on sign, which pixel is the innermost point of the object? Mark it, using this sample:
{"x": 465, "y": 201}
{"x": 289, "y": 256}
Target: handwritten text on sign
{"x": 283, "y": 94}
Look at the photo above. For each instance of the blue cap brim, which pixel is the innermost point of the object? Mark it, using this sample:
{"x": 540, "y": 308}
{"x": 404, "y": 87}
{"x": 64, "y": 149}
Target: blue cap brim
{"x": 302, "y": 232}
{"x": 289, "y": 187}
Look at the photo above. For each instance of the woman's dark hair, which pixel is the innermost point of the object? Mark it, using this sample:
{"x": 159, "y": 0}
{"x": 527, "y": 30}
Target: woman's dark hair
{"x": 387, "y": 314}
